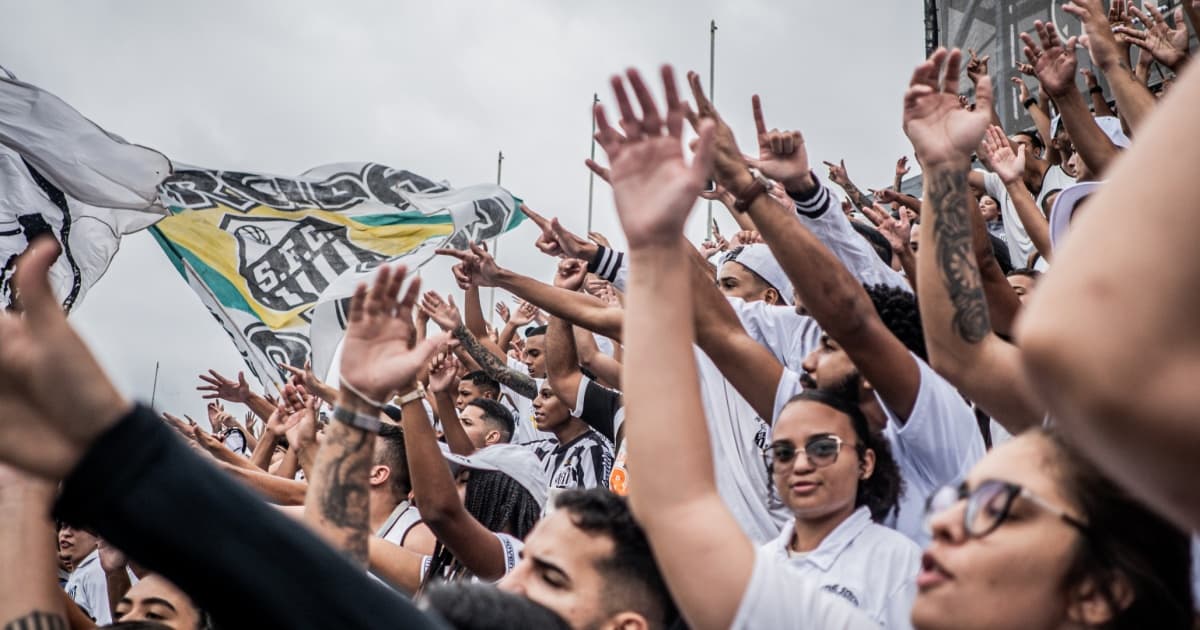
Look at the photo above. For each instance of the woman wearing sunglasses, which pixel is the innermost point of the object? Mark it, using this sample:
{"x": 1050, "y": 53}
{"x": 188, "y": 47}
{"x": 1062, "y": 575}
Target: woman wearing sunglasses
{"x": 839, "y": 480}
{"x": 1040, "y": 540}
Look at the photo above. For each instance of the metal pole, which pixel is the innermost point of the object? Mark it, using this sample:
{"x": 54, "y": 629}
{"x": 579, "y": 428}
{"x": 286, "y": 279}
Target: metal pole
{"x": 712, "y": 70}
{"x": 496, "y": 241}
{"x": 154, "y": 388}
{"x": 592, "y": 176}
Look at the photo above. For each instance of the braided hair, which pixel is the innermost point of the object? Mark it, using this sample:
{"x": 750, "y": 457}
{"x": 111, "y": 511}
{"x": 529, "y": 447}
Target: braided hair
{"x": 499, "y": 503}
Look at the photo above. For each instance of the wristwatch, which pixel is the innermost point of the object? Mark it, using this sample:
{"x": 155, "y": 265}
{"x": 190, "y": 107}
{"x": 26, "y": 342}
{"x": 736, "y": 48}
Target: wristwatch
{"x": 747, "y": 195}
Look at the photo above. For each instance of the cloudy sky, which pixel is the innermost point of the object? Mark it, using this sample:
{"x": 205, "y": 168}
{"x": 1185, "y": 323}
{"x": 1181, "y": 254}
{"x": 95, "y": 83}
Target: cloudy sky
{"x": 438, "y": 88}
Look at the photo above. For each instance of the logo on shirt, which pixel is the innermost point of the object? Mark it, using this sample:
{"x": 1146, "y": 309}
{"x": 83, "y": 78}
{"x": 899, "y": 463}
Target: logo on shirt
{"x": 843, "y": 592}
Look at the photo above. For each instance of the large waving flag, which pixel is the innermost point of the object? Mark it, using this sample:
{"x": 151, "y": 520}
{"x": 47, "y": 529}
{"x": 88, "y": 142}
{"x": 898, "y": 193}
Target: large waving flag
{"x": 263, "y": 251}
{"x": 260, "y": 251}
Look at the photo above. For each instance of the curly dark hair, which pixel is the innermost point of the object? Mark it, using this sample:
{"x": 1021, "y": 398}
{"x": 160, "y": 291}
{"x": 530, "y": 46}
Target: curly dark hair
{"x": 633, "y": 581}
{"x": 500, "y": 504}
{"x": 881, "y": 491}
{"x": 898, "y": 310}
{"x": 1124, "y": 541}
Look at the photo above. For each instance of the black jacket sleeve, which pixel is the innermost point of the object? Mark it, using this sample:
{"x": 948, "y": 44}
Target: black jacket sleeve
{"x": 144, "y": 490}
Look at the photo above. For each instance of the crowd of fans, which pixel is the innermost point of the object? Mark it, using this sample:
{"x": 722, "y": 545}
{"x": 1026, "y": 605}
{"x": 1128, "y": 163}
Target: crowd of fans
{"x": 759, "y": 432}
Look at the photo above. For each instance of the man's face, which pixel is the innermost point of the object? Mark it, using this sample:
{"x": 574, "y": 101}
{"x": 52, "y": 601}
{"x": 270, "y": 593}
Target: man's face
{"x": 477, "y": 428}
{"x": 914, "y": 240}
{"x": 1023, "y": 286}
{"x": 558, "y": 569}
{"x": 734, "y": 280}
{"x": 1022, "y": 140}
{"x": 467, "y": 391}
{"x": 153, "y": 598}
{"x": 549, "y": 412}
{"x": 534, "y": 356}
{"x": 829, "y": 368}
{"x": 76, "y": 544}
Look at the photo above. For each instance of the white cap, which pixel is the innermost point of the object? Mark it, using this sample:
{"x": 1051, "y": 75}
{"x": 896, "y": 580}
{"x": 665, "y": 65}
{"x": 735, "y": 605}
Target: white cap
{"x": 757, "y": 258}
{"x": 515, "y": 461}
{"x": 1110, "y": 125}
{"x": 1064, "y": 207}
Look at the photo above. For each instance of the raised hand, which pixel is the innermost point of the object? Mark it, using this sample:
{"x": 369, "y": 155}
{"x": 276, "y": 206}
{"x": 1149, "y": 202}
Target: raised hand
{"x": 525, "y": 314}
{"x": 600, "y": 171}
{"x": 1053, "y": 62}
{"x": 781, "y": 154}
{"x": 378, "y": 354}
{"x": 219, "y": 387}
{"x": 570, "y": 274}
{"x": 1101, "y": 44}
{"x": 442, "y": 372}
{"x": 902, "y": 167}
{"x": 996, "y": 153}
{"x": 300, "y": 424}
{"x": 54, "y": 398}
{"x": 837, "y": 172}
{"x": 653, "y": 187}
{"x": 896, "y": 231}
{"x": 730, "y": 168}
{"x": 546, "y": 242}
{"x": 1167, "y": 45}
{"x": 501, "y": 311}
{"x": 940, "y": 131}
{"x": 599, "y": 239}
{"x": 572, "y": 246}
{"x": 746, "y": 237}
{"x": 1022, "y": 89}
{"x": 477, "y": 268}
{"x": 218, "y": 418}
{"x": 977, "y": 67}
{"x": 444, "y": 313}
{"x": 1025, "y": 69}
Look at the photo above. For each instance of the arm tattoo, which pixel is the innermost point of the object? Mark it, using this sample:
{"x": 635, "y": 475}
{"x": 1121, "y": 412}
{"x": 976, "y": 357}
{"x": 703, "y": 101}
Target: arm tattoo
{"x": 856, "y": 197}
{"x": 956, "y": 256}
{"x": 342, "y": 472}
{"x": 520, "y": 383}
{"x": 38, "y": 620}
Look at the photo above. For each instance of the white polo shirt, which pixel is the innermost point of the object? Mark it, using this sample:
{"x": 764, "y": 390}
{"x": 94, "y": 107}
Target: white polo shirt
{"x": 88, "y": 587}
{"x": 937, "y": 446}
{"x": 869, "y": 565}
{"x": 779, "y": 596}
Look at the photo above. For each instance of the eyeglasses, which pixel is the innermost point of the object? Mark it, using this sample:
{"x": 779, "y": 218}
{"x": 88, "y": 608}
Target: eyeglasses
{"x": 821, "y": 450}
{"x": 989, "y": 504}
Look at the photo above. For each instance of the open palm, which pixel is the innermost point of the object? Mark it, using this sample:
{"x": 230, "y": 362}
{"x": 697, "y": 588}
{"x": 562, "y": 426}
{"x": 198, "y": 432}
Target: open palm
{"x": 378, "y": 357}
{"x": 939, "y": 129}
{"x": 654, "y": 188}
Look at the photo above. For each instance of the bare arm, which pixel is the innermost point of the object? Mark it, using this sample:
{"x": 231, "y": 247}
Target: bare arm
{"x": 274, "y": 489}
{"x": 1133, "y": 99}
{"x": 580, "y": 309}
{"x": 395, "y": 564}
{"x": 1096, "y": 93}
{"x": 561, "y": 366}
{"x": 493, "y": 365}
{"x": 1031, "y": 216}
{"x": 31, "y": 597}
{"x": 474, "y": 321}
{"x": 606, "y": 368}
{"x": 1135, "y": 418}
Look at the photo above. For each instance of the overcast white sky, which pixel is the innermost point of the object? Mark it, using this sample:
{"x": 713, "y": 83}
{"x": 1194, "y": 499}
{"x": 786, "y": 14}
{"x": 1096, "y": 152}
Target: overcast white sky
{"x": 438, "y": 88}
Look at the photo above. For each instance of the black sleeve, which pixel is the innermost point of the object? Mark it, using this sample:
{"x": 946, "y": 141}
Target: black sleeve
{"x": 600, "y": 406}
{"x": 145, "y": 491}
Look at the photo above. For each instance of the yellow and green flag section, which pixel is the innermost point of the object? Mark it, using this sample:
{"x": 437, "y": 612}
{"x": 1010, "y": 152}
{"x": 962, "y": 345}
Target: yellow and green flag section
{"x": 263, "y": 252}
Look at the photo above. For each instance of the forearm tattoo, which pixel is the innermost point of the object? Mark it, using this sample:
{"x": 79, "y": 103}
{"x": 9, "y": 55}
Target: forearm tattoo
{"x": 38, "y": 620}
{"x": 514, "y": 380}
{"x": 956, "y": 256}
{"x": 856, "y": 197}
{"x": 343, "y": 470}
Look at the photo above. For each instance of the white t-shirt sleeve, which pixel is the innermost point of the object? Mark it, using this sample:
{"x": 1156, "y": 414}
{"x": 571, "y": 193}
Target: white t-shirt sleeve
{"x": 512, "y": 550}
{"x": 940, "y": 440}
{"x": 823, "y": 216}
{"x": 788, "y": 335}
{"x": 1020, "y": 246}
{"x": 779, "y": 597}
{"x": 789, "y": 386}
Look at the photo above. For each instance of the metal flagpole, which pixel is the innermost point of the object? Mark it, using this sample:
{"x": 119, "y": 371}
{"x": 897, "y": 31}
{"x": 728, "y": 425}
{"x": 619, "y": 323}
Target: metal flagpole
{"x": 496, "y": 241}
{"x": 712, "y": 66}
{"x": 592, "y": 176}
{"x": 154, "y": 389}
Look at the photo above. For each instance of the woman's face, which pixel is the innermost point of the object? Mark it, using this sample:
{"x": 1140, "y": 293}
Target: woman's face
{"x": 1012, "y": 577}
{"x": 989, "y": 208}
{"x": 808, "y": 491}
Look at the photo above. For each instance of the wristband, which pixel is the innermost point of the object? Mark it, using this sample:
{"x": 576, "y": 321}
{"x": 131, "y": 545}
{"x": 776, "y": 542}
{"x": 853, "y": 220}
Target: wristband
{"x": 1029, "y": 102}
{"x": 415, "y": 394}
{"x": 357, "y": 420}
{"x": 1095, "y": 90}
{"x": 367, "y": 399}
{"x": 756, "y": 189}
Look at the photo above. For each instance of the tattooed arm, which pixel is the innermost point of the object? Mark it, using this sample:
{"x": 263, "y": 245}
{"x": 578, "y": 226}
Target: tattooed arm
{"x": 954, "y": 312}
{"x": 493, "y": 365}
{"x": 337, "y": 503}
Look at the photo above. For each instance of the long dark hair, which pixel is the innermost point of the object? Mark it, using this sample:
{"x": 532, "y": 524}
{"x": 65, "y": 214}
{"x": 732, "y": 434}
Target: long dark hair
{"x": 881, "y": 491}
{"x": 500, "y": 504}
{"x": 1125, "y": 543}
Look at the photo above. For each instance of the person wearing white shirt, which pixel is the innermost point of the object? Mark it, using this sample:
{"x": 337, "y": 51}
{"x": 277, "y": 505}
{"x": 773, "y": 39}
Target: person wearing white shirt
{"x": 838, "y": 478}
{"x": 86, "y": 585}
